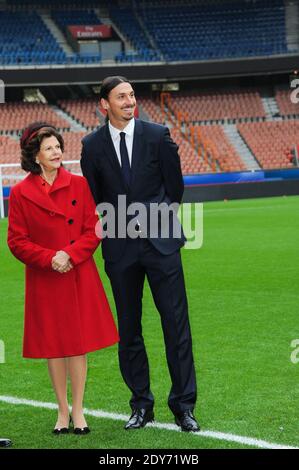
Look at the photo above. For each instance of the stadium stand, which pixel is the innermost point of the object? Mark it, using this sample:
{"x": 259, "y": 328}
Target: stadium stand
{"x": 25, "y": 39}
{"x": 222, "y": 120}
{"x": 213, "y": 145}
{"x": 15, "y": 116}
{"x": 83, "y": 111}
{"x": 9, "y": 149}
{"x": 65, "y": 18}
{"x": 213, "y": 105}
{"x": 73, "y": 145}
{"x": 204, "y": 145}
{"x": 221, "y": 151}
{"x": 65, "y": 4}
{"x": 271, "y": 142}
{"x": 213, "y": 150}
{"x": 191, "y": 162}
{"x": 233, "y": 29}
{"x": 152, "y": 110}
{"x": 285, "y": 105}
{"x": 10, "y": 154}
{"x": 126, "y": 21}
{"x": 157, "y": 30}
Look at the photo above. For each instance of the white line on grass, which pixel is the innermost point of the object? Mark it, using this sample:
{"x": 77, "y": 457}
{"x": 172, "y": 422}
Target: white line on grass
{"x": 169, "y": 427}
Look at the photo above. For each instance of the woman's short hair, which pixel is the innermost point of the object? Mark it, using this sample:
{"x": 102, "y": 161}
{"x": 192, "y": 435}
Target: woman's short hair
{"x": 111, "y": 82}
{"x": 30, "y": 142}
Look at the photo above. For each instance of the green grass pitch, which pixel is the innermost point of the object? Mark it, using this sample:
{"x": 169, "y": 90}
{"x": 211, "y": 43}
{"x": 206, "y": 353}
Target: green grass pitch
{"x": 243, "y": 292}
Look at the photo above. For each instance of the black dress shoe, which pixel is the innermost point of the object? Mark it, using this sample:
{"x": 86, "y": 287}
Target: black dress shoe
{"x": 5, "y": 442}
{"x": 85, "y": 430}
{"x": 62, "y": 430}
{"x": 139, "y": 418}
{"x": 187, "y": 421}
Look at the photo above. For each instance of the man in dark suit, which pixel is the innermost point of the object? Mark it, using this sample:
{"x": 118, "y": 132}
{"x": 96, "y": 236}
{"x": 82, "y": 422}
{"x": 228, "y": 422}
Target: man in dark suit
{"x": 139, "y": 161}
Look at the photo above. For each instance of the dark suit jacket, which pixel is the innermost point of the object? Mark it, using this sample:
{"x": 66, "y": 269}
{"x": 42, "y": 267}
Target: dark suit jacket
{"x": 156, "y": 177}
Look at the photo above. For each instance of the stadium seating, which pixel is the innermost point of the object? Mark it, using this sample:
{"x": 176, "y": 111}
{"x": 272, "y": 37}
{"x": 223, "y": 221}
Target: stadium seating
{"x": 9, "y": 150}
{"x": 203, "y": 144}
{"x": 151, "y": 109}
{"x": 157, "y": 31}
{"x": 16, "y": 116}
{"x": 219, "y": 147}
{"x": 207, "y": 106}
{"x": 271, "y": 142}
{"x": 25, "y": 39}
{"x": 65, "y": 4}
{"x": 191, "y": 162}
{"x": 65, "y": 18}
{"x": 126, "y": 21}
{"x": 73, "y": 146}
{"x": 211, "y": 31}
{"x": 285, "y": 105}
{"x": 10, "y": 154}
{"x": 83, "y": 111}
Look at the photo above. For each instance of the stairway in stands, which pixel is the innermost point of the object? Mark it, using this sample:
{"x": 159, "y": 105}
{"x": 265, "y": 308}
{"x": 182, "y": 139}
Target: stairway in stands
{"x": 271, "y": 108}
{"x": 75, "y": 126}
{"x": 241, "y": 147}
{"x": 60, "y": 38}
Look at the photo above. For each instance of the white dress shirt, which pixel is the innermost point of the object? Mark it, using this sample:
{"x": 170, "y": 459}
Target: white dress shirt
{"x": 115, "y": 136}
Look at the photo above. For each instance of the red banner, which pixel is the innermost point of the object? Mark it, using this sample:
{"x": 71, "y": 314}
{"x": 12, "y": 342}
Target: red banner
{"x": 99, "y": 31}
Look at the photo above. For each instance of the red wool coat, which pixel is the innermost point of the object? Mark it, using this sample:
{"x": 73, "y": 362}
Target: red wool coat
{"x": 65, "y": 314}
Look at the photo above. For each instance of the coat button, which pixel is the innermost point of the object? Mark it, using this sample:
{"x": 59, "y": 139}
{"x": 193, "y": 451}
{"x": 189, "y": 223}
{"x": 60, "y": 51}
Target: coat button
{"x": 72, "y": 241}
{"x": 71, "y": 221}
{"x": 74, "y": 202}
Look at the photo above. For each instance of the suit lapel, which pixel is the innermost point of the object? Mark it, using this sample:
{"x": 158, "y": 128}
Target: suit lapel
{"x": 110, "y": 153}
{"x": 137, "y": 152}
{"x": 138, "y": 149}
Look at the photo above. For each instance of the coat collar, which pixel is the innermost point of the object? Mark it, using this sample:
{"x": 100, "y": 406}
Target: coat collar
{"x": 32, "y": 190}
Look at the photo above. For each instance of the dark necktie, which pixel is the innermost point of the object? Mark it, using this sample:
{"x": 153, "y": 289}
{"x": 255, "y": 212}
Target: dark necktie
{"x": 125, "y": 162}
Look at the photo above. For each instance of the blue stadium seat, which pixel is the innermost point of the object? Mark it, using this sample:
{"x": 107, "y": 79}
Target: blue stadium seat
{"x": 25, "y": 39}
{"x": 201, "y": 32}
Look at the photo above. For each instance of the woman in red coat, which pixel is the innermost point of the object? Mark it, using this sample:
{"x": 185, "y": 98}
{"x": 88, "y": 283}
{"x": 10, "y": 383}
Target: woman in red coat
{"x": 53, "y": 230}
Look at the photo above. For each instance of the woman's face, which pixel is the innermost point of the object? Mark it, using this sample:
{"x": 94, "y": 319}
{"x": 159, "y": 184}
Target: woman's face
{"x": 50, "y": 153}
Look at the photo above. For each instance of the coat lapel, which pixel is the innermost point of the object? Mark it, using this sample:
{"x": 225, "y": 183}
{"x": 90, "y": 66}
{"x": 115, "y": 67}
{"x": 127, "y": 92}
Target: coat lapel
{"x": 138, "y": 148}
{"x": 137, "y": 151}
{"x": 63, "y": 179}
{"x": 110, "y": 153}
{"x": 32, "y": 190}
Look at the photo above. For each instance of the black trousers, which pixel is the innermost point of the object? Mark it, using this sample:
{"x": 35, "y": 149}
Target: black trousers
{"x": 166, "y": 280}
